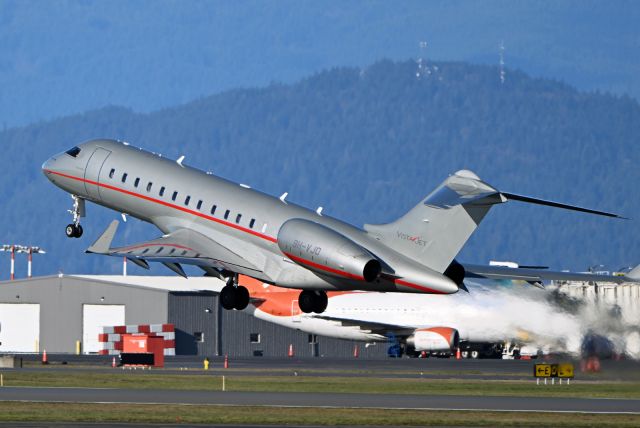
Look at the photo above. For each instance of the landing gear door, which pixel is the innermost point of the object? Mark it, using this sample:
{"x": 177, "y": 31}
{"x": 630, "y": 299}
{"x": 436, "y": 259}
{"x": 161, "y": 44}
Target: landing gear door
{"x": 93, "y": 171}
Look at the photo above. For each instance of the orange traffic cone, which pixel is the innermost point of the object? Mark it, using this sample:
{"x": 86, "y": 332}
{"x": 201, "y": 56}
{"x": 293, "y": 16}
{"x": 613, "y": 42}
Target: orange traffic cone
{"x": 113, "y": 362}
{"x": 226, "y": 361}
{"x": 290, "y": 354}
{"x": 356, "y": 351}
{"x": 458, "y": 354}
{"x": 44, "y": 357}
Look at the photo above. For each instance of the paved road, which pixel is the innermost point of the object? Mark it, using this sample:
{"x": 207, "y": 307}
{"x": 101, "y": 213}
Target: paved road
{"x": 333, "y": 400}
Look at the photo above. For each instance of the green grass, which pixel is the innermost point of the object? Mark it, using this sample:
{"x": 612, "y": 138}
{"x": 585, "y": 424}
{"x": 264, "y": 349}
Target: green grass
{"x": 208, "y": 414}
{"x": 333, "y": 384}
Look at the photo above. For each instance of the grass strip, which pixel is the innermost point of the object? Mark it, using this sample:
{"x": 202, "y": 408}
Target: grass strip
{"x": 209, "y": 414}
{"x": 211, "y": 382}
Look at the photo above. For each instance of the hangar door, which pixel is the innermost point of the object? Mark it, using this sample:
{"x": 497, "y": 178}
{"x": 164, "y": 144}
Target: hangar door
{"x": 19, "y": 327}
{"x": 94, "y": 317}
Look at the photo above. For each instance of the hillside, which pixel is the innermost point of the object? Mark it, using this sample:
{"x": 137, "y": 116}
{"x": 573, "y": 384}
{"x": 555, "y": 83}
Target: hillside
{"x": 63, "y": 57}
{"x": 367, "y": 144}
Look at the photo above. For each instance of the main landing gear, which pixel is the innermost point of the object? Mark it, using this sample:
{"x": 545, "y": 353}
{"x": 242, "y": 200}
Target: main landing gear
{"x": 234, "y": 296}
{"x": 74, "y": 230}
{"x": 313, "y": 301}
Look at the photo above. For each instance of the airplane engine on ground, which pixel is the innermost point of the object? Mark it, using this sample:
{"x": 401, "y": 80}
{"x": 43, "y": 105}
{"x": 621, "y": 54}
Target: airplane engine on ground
{"x": 434, "y": 339}
{"x": 323, "y": 250}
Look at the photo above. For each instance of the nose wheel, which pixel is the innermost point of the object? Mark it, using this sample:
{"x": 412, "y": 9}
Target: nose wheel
{"x": 74, "y": 230}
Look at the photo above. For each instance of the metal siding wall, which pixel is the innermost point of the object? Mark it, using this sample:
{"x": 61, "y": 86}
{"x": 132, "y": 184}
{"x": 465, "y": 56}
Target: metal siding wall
{"x": 61, "y": 300}
{"x": 275, "y": 340}
{"x": 188, "y": 312}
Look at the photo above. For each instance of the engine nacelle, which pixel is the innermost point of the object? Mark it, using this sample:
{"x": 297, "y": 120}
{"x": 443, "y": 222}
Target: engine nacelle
{"x": 434, "y": 339}
{"x": 323, "y": 250}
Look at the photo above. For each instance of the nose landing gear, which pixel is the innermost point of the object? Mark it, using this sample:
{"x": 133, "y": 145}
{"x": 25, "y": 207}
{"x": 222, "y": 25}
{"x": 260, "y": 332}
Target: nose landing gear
{"x": 74, "y": 230}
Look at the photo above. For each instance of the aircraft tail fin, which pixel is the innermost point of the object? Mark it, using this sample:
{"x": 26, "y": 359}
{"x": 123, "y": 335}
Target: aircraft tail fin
{"x": 434, "y": 231}
{"x": 103, "y": 243}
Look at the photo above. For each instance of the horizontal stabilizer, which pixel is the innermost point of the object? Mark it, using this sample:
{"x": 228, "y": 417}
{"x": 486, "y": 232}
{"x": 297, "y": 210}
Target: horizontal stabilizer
{"x": 530, "y": 200}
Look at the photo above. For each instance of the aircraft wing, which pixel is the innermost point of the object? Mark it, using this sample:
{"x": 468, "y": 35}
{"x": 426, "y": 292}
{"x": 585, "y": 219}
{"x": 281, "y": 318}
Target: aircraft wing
{"x": 382, "y": 329}
{"x": 182, "y": 246}
{"x": 536, "y": 276}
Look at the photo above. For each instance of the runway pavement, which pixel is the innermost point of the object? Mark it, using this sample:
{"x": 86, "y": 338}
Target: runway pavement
{"x": 329, "y": 400}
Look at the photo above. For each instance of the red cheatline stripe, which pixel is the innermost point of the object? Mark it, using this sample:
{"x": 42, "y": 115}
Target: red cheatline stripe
{"x": 325, "y": 268}
{"x": 417, "y": 287}
{"x": 166, "y": 204}
{"x": 235, "y": 226}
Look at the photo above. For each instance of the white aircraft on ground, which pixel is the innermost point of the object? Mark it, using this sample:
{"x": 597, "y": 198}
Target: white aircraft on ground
{"x": 491, "y": 315}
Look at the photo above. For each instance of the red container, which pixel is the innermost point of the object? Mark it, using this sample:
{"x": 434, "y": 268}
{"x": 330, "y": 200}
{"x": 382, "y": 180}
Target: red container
{"x": 145, "y": 344}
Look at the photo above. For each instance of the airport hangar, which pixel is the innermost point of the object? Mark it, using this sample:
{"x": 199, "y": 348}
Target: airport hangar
{"x": 54, "y": 313}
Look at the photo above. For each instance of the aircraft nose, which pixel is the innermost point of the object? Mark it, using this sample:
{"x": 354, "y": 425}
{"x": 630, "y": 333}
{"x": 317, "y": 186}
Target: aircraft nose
{"x": 48, "y": 166}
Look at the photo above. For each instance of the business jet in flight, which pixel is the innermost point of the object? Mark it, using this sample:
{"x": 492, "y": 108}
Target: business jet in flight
{"x": 228, "y": 229}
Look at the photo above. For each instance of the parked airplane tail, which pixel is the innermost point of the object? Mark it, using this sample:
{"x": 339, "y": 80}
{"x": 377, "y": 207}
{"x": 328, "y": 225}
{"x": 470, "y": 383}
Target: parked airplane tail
{"x": 434, "y": 231}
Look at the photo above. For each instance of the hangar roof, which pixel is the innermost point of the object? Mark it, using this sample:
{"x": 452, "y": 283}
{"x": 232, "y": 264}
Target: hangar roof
{"x": 167, "y": 283}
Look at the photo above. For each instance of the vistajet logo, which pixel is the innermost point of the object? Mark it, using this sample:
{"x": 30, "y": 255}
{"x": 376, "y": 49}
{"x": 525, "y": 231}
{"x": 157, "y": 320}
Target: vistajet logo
{"x": 415, "y": 239}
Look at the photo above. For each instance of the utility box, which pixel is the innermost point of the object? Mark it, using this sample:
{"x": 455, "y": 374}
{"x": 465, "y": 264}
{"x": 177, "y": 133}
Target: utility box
{"x": 149, "y": 344}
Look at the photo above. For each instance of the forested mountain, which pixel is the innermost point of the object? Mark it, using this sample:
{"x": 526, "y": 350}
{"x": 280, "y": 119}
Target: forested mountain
{"x": 367, "y": 144}
{"x": 65, "y": 56}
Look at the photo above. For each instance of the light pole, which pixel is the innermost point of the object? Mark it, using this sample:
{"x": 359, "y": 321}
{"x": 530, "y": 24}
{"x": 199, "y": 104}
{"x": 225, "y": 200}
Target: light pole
{"x": 29, "y": 249}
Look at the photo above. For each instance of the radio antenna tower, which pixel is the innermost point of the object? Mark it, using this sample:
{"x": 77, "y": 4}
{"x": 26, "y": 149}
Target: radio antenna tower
{"x": 502, "y": 72}
{"x": 422, "y": 62}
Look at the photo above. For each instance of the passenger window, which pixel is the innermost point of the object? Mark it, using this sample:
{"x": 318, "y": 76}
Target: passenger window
{"x": 146, "y": 250}
{"x": 162, "y": 191}
{"x": 226, "y": 214}
{"x": 213, "y": 209}
{"x": 173, "y": 250}
{"x": 187, "y": 199}
{"x": 159, "y": 249}
{"x": 238, "y": 217}
{"x": 124, "y": 177}
{"x": 73, "y": 152}
{"x": 135, "y": 183}
{"x": 174, "y": 196}
{"x": 199, "y": 204}
{"x": 113, "y": 171}
{"x": 184, "y": 252}
{"x": 252, "y": 222}
{"x": 149, "y": 186}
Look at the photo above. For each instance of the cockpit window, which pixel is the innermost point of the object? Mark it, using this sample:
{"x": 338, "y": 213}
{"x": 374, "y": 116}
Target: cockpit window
{"x": 73, "y": 152}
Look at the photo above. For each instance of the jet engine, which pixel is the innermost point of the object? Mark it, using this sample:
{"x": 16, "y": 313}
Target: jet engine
{"x": 434, "y": 339}
{"x": 323, "y": 250}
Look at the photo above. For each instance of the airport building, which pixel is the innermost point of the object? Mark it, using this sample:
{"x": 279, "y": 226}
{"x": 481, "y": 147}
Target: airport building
{"x": 68, "y": 313}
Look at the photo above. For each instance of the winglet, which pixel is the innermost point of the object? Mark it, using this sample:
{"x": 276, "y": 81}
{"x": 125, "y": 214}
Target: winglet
{"x": 103, "y": 243}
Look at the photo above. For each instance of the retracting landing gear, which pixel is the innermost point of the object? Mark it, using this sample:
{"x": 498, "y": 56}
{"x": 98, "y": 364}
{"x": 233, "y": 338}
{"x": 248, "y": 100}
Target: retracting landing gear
{"x": 313, "y": 301}
{"x": 234, "y": 296}
{"x": 74, "y": 230}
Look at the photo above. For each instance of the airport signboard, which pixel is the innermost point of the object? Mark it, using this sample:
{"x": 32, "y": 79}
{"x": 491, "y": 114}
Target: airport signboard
{"x": 563, "y": 371}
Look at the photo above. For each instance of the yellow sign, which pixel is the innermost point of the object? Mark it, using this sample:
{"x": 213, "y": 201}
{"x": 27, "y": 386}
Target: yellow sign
{"x": 565, "y": 371}
{"x": 542, "y": 370}
{"x": 553, "y": 370}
